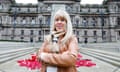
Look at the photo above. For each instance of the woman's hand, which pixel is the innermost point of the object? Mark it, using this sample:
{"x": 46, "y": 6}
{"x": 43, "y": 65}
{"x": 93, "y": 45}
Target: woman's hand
{"x": 37, "y": 55}
{"x": 40, "y": 55}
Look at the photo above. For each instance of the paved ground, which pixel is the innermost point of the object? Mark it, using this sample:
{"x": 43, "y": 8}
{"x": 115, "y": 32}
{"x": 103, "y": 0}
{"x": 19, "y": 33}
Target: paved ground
{"x": 101, "y": 66}
{"x": 12, "y": 66}
{"x": 111, "y": 47}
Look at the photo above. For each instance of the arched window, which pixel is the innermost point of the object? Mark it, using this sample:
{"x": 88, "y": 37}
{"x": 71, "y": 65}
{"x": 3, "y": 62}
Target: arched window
{"x": 40, "y": 19}
{"x": 77, "y": 21}
{"x": 118, "y": 8}
{"x": 48, "y": 20}
{"x": 15, "y": 21}
{"x": 1, "y": 6}
{"x": 84, "y": 22}
{"x": 31, "y": 39}
{"x": 119, "y": 33}
{"x": 22, "y": 32}
{"x": 49, "y": 9}
{"x": 85, "y": 32}
{"x": 93, "y": 22}
{"x": 33, "y": 21}
{"x": 31, "y": 32}
{"x": 24, "y": 21}
{"x": 102, "y": 21}
{"x": 118, "y": 20}
{"x": 77, "y": 18}
{"x": 68, "y": 8}
{"x": 94, "y": 33}
{"x": 86, "y": 40}
{"x": 0, "y": 20}
{"x": 77, "y": 8}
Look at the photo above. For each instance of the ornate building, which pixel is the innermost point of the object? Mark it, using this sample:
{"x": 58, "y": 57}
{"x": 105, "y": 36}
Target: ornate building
{"x": 31, "y": 22}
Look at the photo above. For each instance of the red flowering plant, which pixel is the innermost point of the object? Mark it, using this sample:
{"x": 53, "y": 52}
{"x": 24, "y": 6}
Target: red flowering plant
{"x": 33, "y": 63}
{"x": 84, "y": 62}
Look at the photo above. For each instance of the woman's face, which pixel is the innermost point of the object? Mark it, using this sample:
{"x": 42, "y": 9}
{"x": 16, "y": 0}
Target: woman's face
{"x": 60, "y": 23}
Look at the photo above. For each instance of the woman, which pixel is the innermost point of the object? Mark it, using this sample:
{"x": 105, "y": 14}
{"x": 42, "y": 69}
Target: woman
{"x": 60, "y": 49}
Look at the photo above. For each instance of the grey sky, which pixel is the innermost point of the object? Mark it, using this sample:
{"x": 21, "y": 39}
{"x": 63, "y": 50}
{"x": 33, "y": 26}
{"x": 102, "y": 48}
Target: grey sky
{"x": 82, "y": 1}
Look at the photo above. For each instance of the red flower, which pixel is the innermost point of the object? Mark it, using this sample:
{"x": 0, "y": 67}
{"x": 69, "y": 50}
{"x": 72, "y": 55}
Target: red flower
{"x": 32, "y": 63}
{"x": 85, "y": 62}
{"x": 79, "y": 56}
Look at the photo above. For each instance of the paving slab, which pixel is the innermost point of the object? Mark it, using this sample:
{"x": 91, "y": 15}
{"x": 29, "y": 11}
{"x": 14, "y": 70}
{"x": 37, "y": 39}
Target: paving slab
{"x": 12, "y": 66}
{"x": 101, "y": 66}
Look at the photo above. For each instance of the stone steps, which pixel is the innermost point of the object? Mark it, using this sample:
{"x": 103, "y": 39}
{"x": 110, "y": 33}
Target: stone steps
{"x": 108, "y": 57}
{"x": 11, "y": 54}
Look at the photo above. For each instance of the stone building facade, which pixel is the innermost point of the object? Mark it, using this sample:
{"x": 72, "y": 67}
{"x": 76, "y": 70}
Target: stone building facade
{"x": 31, "y": 22}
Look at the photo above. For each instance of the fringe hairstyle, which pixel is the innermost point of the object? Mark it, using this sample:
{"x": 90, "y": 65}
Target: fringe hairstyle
{"x": 69, "y": 29}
